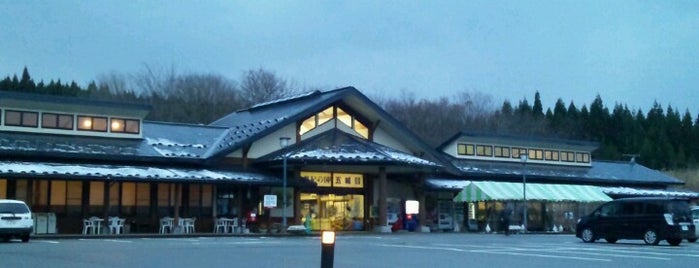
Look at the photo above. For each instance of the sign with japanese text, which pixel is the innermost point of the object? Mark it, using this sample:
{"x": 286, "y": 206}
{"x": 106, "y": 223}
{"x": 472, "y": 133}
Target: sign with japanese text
{"x": 320, "y": 178}
{"x": 339, "y": 180}
{"x": 346, "y": 180}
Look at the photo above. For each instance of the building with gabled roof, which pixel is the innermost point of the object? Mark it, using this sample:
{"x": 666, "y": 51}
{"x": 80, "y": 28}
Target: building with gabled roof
{"x": 340, "y": 160}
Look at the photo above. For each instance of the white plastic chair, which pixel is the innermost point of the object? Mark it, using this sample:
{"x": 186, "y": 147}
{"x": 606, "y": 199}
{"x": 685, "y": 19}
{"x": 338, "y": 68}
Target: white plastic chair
{"x": 234, "y": 226}
{"x": 88, "y": 226}
{"x": 165, "y": 225}
{"x": 220, "y": 224}
{"x": 116, "y": 225}
{"x": 188, "y": 224}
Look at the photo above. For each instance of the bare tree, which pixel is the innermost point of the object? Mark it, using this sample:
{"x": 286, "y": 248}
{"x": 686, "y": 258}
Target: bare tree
{"x": 258, "y": 86}
{"x": 206, "y": 97}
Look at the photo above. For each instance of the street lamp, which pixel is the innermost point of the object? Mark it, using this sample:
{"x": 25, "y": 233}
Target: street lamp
{"x": 523, "y": 157}
{"x": 284, "y": 142}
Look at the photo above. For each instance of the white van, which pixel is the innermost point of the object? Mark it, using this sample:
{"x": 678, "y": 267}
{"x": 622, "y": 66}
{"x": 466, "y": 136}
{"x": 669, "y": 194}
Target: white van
{"x": 15, "y": 220}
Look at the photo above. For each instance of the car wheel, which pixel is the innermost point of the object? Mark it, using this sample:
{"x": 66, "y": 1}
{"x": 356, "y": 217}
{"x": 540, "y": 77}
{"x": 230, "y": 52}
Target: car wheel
{"x": 611, "y": 240}
{"x": 25, "y": 238}
{"x": 691, "y": 240}
{"x": 651, "y": 237}
{"x": 587, "y": 235}
{"x": 674, "y": 241}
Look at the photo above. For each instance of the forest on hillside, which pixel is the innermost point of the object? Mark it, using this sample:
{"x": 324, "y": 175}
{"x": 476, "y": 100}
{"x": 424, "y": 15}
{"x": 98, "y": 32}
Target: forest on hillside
{"x": 662, "y": 138}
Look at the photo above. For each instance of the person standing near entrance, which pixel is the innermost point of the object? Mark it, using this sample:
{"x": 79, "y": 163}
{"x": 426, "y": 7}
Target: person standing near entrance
{"x": 505, "y": 217}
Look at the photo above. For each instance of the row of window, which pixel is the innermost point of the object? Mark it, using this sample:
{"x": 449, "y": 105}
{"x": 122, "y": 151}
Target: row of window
{"x": 125, "y": 198}
{"x": 67, "y": 122}
{"x": 333, "y": 113}
{"x": 516, "y": 152}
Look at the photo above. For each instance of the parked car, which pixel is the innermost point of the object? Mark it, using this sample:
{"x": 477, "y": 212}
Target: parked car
{"x": 695, "y": 218}
{"x": 651, "y": 219}
{"x": 15, "y": 220}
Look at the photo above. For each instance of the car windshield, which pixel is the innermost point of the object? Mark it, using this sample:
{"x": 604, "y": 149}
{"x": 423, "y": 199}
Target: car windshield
{"x": 695, "y": 213}
{"x": 13, "y": 208}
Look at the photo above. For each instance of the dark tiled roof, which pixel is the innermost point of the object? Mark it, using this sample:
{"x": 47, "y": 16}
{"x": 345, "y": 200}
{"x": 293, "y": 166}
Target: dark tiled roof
{"x": 601, "y": 173}
{"x": 247, "y": 126}
{"x": 129, "y": 172}
{"x": 160, "y": 140}
{"x": 336, "y": 146}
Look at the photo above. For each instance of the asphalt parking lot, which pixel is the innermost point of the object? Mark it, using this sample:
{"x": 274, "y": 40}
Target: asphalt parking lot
{"x": 363, "y": 250}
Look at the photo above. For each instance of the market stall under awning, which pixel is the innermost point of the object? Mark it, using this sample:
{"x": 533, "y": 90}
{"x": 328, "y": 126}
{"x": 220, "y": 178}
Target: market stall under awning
{"x": 506, "y": 191}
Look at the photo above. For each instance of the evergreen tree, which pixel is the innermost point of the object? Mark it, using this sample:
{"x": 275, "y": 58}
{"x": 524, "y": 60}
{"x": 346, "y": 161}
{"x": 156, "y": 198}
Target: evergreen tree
{"x": 538, "y": 109}
{"x": 26, "y": 84}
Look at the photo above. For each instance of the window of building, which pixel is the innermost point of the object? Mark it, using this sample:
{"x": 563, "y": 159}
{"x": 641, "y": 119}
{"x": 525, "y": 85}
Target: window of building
{"x": 325, "y": 115}
{"x": 330, "y": 113}
{"x": 502, "y": 151}
{"x": 568, "y": 156}
{"x": 536, "y": 154}
{"x": 57, "y": 121}
{"x": 92, "y": 123}
{"x": 484, "y": 150}
{"x": 550, "y": 155}
{"x": 517, "y": 152}
{"x": 66, "y": 197}
{"x": 464, "y": 149}
{"x": 21, "y": 118}
{"x": 582, "y": 157}
{"x": 119, "y": 125}
{"x": 3, "y": 188}
{"x": 166, "y": 199}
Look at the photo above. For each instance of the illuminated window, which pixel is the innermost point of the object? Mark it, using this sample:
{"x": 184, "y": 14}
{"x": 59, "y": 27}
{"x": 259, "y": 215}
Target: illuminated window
{"x": 361, "y": 129}
{"x": 582, "y": 157}
{"x": 307, "y": 125}
{"x": 92, "y": 123}
{"x": 502, "y": 151}
{"x": 551, "y": 155}
{"x": 344, "y": 117}
{"x": 21, "y": 118}
{"x": 466, "y": 149}
{"x": 484, "y": 150}
{"x": 568, "y": 156}
{"x": 124, "y": 125}
{"x": 326, "y": 115}
{"x": 536, "y": 154}
{"x": 117, "y": 125}
{"x": 518, "y": 152}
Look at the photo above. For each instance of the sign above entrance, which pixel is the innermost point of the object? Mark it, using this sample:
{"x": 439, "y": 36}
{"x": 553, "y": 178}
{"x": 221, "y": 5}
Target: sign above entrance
{"x": 338, "y": 180}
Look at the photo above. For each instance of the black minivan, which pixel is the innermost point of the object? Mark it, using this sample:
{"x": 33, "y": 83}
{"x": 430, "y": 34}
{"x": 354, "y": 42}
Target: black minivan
{"x": 651, "y": 219}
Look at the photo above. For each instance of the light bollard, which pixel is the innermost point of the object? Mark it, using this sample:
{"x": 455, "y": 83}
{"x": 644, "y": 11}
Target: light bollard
{"x": 327, "y": 246}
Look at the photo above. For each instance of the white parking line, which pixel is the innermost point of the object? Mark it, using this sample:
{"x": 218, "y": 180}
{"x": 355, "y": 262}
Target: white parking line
{"x": 47, "y": 241}
{"x": 502, "y": 251}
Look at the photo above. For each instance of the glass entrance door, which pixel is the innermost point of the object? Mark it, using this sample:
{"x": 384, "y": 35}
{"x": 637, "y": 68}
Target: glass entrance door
{"x": 332, "y": 212}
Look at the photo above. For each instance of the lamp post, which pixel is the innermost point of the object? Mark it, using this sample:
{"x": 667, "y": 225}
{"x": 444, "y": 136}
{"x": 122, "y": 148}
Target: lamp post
{"x": 284, "y": 142}
{"x": 523, "y": 157}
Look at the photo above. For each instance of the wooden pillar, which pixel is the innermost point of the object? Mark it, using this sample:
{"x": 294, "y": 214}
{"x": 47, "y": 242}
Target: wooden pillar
{"x": 176, "y": 221}
{"x": 383, "y": 206}
{"x": 214, "y": 203}
{"x": 420, "y": 196}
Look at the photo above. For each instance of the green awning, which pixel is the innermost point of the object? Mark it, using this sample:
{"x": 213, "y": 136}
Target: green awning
{"x": 504, "y": 191}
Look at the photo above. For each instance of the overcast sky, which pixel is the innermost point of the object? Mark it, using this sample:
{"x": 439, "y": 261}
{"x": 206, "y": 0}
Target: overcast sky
{"x": 630, "y": 52}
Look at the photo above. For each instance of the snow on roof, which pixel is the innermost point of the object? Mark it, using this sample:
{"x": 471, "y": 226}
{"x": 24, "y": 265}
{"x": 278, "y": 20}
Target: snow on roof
{"x": 126, "y": 172}
{"x": 648, "y": 192}
{"x": 447, "y": 184}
